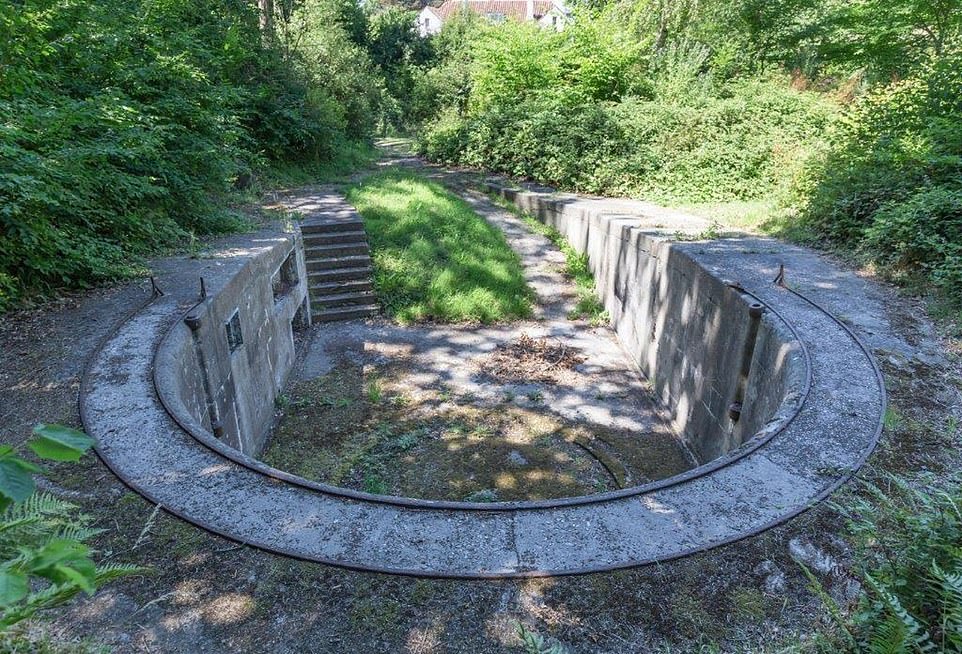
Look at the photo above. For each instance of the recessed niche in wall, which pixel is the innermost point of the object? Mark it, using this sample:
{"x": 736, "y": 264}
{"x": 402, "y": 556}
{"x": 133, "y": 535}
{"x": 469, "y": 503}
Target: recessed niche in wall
{"x": 234, "y": 337}
{"x": 285, "y": 278}
{"x": 302, "y": 318}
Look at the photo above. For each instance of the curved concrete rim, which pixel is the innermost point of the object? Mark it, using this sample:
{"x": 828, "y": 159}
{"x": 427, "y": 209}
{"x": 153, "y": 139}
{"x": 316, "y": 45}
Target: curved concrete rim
{"x": 432, "y": 556}
{"x": 208, "y": 440}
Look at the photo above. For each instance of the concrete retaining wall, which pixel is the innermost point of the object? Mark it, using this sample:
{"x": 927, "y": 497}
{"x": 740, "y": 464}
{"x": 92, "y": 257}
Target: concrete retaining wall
{"x": 690, "y": 333}
{"x": 227, "y": 383}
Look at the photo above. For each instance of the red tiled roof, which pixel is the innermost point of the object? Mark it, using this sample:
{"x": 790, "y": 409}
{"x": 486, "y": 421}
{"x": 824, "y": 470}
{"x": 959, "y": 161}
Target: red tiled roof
{"x": 517, "y": 9}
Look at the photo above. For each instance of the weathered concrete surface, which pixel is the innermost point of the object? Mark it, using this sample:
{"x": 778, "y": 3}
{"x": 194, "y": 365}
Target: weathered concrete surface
{"x": 231, "y": 391}
{"x": 689, "y": 331}
{"x": 835, "y": 429}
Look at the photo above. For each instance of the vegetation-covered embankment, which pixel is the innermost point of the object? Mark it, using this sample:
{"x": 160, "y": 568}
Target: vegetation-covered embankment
{"x": 127, "y": 126}
{"x": 839, "y": 122}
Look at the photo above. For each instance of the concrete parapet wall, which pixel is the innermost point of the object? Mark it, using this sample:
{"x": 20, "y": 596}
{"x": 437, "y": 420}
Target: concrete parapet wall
{"x": 226, "y": 383}
{"x": 692, "y": 334}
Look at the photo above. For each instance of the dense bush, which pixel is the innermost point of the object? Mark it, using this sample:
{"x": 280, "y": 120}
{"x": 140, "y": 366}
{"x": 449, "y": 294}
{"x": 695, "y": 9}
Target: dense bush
{"x": 125, "y": 124}
{"x": 690, "y": 102}
{"x": 400, "y": 55}
{"x": 891, "y": 185}
{"x": 571, "y": 109}
{"x": 827, "y": 40}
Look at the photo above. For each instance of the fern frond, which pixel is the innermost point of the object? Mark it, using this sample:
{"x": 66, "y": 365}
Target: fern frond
{"x": 8, "y": 524}
{"x": 42, "y": 505}
{"x": 915, "y": 635}
{"x": 50, "y": 596}
{"x": 949, "y": 589}
{"x": 889, "y": 637}
{"x": 79, "y": 533}
{"x": 111, "y": 571}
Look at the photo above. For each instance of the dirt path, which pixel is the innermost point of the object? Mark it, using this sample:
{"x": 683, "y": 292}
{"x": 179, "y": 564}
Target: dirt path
{"x": 210, "y": 595}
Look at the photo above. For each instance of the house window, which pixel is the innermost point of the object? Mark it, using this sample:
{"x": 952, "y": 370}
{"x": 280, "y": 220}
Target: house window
{"x": 554, "y": 21}
{"x": 495, "y": 17}
{"x": 234, "y": 337}
{"x": 427, "y": 22}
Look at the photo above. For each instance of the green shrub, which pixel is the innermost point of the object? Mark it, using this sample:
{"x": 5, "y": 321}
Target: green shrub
{"x": 746, "y": 143}
{"x": 446, "y": 139}
{"x": 44, "y": 560}
{"x": 910, "y": 561}
{"x": 891, "y": 185}
{"x": 127, "y": 124}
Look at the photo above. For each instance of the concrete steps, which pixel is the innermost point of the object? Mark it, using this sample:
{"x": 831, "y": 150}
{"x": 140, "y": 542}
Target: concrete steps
{"x": 339, "y": 269}
{"x": 346, "y": 313}
{"x": 346, "y": 298}
{"x": 327, "y": 226}
{"x": 331, "y": 238}
{"x": 327, "y": 262}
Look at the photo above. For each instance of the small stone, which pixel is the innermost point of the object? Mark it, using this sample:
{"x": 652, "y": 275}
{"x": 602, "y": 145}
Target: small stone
{"x": 775, "y": 583}
{"x": 812, "y": 556}
{"x": 516, "y": 458}
{"x": 774, "y": 578}
{"x": 765, "y": 568}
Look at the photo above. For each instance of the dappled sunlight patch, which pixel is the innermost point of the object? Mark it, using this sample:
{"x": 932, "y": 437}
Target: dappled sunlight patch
{"x": 533, "y": 599}
{"x": 501, "y": 627}
{"x": 189, "y": 591}
{"x": 505, "y": 481}
{"x": 381, "y": 422}
{"x": 229, "y": 608}
{"x": 425, "y": 640}
{"x": 195, "y": 559}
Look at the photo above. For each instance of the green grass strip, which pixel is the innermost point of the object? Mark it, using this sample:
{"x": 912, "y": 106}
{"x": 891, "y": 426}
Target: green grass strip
{"x": 435, "y": 259}
{"x": 589, "y": 307}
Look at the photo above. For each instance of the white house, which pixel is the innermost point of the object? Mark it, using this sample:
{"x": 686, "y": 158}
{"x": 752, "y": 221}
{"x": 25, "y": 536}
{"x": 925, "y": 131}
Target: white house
{"x": 547, "y": 13}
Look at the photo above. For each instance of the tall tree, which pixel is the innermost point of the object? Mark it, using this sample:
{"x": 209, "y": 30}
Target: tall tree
{"x": 266, "y": 8}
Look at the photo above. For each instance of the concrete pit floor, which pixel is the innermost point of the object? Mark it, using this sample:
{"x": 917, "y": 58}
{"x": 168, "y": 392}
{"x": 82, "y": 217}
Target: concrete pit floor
{"x": 526, "y": 411}
{"x": 440, "y": 411}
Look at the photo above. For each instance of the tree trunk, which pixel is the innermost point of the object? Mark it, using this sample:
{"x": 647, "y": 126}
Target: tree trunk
{"x": 266, "y": 8}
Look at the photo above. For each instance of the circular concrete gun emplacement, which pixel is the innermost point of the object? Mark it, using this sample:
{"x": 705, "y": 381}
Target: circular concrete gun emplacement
{"x": 778, "y": 399}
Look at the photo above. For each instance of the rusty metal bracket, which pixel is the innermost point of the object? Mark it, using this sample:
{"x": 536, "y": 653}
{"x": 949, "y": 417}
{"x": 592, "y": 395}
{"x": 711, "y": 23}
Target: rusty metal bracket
{"x": 780, "y": 277}
{"x": 155, "y": 291}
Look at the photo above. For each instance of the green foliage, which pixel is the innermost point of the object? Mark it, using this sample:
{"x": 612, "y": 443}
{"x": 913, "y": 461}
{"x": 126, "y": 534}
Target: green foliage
{"x": 59, "y": 443}
{"x": 125, "y": 124}
{"x": 341, "y": 78}
{"x": 909, "y": 544}
{"x": 400, "y": 55}
{"x": 519, "y": 61}
{"x": 746, "y": 144}
{"x": 535, "y": 643}
{"x": 435, "y": 258}
{"x": 891, "y": 185}
{"x": 828, "y": 39}
{"x": 681, "y": 102}
{"x": 44, "y": 560}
